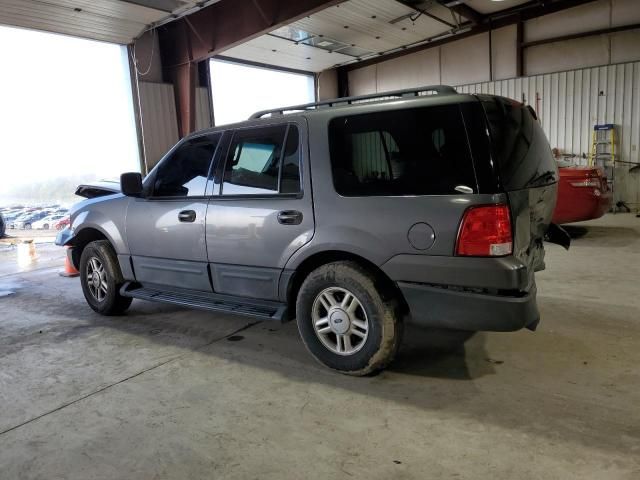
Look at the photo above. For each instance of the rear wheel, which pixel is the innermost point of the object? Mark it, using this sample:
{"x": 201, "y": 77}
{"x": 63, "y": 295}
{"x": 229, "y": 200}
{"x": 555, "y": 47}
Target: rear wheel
{"x": 345, "y": 321}
{"x": 101, "y": 279}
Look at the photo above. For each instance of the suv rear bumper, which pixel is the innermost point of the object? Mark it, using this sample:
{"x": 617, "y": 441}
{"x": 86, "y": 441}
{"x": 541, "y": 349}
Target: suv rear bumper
{"x": 459, "y": 309}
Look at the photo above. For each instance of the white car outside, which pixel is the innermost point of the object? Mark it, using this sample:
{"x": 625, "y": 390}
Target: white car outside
{"x": 47, "y": 222}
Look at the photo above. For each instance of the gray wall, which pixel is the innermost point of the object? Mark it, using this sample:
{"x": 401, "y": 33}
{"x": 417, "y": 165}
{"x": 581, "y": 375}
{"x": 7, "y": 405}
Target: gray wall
{"x": 468, "y": 60}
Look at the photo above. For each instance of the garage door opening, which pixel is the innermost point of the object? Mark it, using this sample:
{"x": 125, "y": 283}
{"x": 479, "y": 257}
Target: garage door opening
{"x": 238, "y": 90}
{"x": 67, "y": 116}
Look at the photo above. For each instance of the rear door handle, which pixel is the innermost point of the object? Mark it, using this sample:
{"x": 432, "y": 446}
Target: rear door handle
{"x": 187, "y": 216}
{"x": 290, "y": 217}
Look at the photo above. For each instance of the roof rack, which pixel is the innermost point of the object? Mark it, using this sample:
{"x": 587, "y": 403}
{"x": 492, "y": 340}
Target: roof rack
{"x": 415, "y": 92}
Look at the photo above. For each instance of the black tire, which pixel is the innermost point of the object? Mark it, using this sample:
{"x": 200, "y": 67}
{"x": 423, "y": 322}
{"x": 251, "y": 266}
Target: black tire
{"x": 27, "y": 226}
{"x": 383, "y": 317}
{"x": 46, "y": 226}
{"x": 111, "y": 303}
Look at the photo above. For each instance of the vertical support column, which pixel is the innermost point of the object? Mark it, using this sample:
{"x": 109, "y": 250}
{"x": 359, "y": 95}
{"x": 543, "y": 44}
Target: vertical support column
{"x": 343, "y": 82}
{"x": 519, "y": 48}
{"x": 204, "y": 73}
{"x": 184, "y": 77}
{"x": 135, "y": 96}
{"x": 490, "y": 52}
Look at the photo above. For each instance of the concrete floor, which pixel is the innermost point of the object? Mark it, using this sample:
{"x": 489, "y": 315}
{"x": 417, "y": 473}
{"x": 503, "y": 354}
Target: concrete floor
{"x": 165, "y": 392}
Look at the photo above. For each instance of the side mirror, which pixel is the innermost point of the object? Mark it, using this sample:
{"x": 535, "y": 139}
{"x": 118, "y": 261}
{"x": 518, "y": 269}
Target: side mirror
{"x": 131, "y": 184}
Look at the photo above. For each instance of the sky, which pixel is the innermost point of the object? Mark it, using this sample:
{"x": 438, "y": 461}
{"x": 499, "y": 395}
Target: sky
{"x": 240, "y": 90}
{"x": 65, "y": 108}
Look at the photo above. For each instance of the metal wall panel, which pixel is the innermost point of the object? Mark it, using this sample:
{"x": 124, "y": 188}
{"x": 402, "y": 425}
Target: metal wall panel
{"x": 571, "y": 103}
{"x": 159, "y": 120}
{"x": 203, "y": 112}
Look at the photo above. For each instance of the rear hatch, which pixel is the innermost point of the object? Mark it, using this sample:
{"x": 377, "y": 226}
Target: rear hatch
{"x": 527, "y": 173}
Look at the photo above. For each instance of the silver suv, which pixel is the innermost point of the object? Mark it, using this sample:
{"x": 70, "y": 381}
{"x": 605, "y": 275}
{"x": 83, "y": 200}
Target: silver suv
{"x": 351, "y": 216}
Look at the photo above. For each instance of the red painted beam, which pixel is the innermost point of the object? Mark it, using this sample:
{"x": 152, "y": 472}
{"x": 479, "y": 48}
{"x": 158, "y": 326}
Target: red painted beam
{"x": 213, "y": 29}
{"x": 228, "y": 23}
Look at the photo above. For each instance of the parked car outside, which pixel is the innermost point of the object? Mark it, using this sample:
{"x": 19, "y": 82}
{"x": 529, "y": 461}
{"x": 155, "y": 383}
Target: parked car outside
{"x": 3, "y": 226}
{"x": 63, "y": 223}
{"x": 25, "y": 222}
{"x": 583, "y": 194}
{"x": 47, "y": 222}
{"x": 351, "y": 219}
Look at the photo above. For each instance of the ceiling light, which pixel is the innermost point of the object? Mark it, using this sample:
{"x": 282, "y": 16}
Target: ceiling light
{"x": 324, "y": 43}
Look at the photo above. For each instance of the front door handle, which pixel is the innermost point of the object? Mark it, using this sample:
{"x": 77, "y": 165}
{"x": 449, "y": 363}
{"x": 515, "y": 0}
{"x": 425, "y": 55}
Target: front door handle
{"x": 290, "y": 217}
{"x": 187, "y": 216}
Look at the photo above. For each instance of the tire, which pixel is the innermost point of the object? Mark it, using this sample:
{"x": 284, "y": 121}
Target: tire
{"x": 46, "y": 226}
{"x": 102, "y": 294}
{"x": 27, "y": 226}
{"x": 329, "y": 285}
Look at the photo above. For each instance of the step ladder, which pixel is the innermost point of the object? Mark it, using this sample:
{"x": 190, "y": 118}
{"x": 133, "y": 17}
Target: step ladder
{"x": 603, "y": 150}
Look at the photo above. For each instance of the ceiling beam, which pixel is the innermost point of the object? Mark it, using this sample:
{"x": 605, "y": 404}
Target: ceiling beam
{"x": 463, "y": 9}
{"x": 227, "y": 23}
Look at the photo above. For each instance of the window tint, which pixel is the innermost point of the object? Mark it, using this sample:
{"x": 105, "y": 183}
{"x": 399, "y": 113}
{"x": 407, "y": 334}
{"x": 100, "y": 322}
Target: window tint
{"x": 404, "y": 152}
{"x": 185, "y": 172}
{"x": 254, "y": 160}
{"x": 519, "y": 144}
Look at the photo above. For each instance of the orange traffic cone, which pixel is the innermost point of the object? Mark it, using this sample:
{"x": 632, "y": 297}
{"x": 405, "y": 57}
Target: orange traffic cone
{"x": 69, "y": 270}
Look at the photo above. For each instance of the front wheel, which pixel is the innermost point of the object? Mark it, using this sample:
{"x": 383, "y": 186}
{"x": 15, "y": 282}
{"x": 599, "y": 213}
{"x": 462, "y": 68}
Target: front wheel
{"x": 345, "y": 321}
{"x": 101, "y": 279}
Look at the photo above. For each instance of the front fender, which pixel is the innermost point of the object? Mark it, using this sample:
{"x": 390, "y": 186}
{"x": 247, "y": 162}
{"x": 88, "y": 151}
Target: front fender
{"x": 64, "y": 237}
{"x": 106, "y": 216}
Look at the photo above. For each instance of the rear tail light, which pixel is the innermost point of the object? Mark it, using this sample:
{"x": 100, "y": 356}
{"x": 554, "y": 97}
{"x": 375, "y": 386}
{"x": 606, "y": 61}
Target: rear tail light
{"x": 485, "y": 231}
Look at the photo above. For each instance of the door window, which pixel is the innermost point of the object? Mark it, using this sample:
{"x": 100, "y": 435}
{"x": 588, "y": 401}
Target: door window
{"x": 184, "y": 173}
{"x": 261, "y": 161}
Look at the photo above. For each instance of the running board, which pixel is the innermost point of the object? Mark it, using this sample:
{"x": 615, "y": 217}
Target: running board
{"x": 264, "y": 309}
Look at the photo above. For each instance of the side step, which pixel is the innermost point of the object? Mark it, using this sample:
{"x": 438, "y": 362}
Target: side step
{"x": 264, "y": 309}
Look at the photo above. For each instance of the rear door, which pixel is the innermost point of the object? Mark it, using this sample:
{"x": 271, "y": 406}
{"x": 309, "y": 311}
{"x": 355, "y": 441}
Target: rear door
{"x": 528, "y": 173}
{"x": 261, "y": 211}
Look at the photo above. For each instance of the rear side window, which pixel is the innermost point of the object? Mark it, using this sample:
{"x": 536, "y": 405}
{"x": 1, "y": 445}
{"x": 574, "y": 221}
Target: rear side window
{"x": 263, "y": 161}
{"x": 185, "y": 172}
{"x": 421, "y": 151}
{"x": 519, "y": 145}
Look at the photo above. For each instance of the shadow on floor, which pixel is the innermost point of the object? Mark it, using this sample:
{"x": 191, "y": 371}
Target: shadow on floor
{"x": 602, "y": 236}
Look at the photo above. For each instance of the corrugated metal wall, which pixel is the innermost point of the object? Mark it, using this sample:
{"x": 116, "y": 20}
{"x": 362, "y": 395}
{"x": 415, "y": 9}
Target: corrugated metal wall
{"x": 159, "y": 120}
{"x": 203, "y": 109}
{"x": 570, "y": 103}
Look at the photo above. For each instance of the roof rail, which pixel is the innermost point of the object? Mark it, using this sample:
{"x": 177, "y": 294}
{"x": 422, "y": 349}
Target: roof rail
{"x": 438, "y": 89}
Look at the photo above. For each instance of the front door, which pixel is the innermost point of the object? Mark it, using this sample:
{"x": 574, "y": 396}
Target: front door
{"x": 262, "y": 212}
{"x": 166, "y": 229}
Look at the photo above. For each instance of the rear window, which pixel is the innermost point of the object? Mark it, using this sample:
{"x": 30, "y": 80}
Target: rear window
{"x": 422, "y": 151}
{"x": 519, "y": 145}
